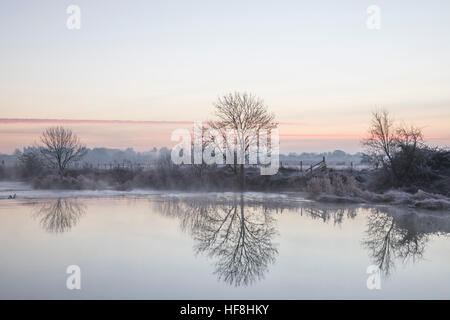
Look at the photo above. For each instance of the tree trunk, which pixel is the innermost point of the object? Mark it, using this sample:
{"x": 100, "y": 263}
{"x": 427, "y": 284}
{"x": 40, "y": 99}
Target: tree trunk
{"x": 242, "y": 177}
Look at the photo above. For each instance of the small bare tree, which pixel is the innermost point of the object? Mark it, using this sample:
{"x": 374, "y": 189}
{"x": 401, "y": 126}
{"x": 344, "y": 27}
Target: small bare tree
{"x": 394, "y": 148}
{"x": 380, "y": 144}
{"x": 244, "y": 114}
{"x": 409, "y": 137}
{"x": 60, "y": 148}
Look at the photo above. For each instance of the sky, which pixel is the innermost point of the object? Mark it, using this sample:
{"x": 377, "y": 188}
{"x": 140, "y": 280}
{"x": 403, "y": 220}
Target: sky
{"x": 159, "y": 65}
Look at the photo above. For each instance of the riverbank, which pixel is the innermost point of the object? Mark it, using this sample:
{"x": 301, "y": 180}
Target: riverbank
{"x": 418, "y": 200}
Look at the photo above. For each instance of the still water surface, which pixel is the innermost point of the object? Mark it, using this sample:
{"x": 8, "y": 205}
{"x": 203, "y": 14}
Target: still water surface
{"x": 213, "y": 246}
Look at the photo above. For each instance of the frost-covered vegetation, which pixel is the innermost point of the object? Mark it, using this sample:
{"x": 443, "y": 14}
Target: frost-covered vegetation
{"x": 405, "y": 171}
{"x": 159, "y": 173}
{"x": 326, "y": 185}
{"x": 341, "y": 187}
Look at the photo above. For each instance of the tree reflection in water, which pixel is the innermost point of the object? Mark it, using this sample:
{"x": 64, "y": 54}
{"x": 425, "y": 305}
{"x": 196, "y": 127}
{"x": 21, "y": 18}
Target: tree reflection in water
{"x": 60, "y": 215}
{"x": 241, "y": 238}
{"x": 237, "y": 234}
{"x": 391, "y": 236}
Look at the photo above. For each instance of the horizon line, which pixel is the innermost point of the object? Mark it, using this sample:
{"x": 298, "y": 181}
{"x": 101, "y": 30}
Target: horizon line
{"x": 105, "y": 121}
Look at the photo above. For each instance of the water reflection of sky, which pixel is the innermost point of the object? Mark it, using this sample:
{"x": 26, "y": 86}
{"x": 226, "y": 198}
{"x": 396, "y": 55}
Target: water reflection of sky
{"x": 231, "y": 247}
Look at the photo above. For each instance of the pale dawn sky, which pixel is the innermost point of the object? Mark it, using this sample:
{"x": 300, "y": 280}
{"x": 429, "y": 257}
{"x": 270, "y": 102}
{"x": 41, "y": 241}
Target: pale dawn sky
{"x": 315, "y": 63}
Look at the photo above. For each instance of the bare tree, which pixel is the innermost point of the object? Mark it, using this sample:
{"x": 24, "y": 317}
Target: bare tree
{"x": 394, "y": 148}
{"x": 380, "y": 144}
{"x": 409, "y": 137}
{"x": 61, "y": 147}
{"x": 244, "y": 115}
